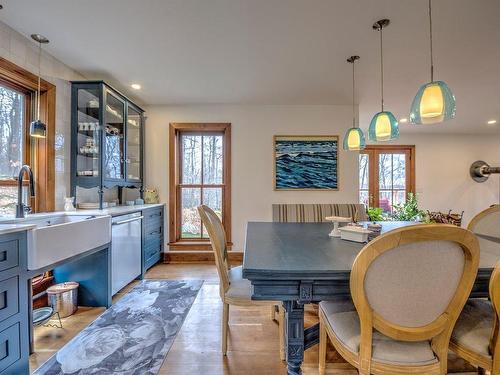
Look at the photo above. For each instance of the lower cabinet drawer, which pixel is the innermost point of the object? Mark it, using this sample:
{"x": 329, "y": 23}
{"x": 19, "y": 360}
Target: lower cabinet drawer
{"x": 9, "y": 254}
{"x": 10, "y": 342}
{"x": 9, "y": 298}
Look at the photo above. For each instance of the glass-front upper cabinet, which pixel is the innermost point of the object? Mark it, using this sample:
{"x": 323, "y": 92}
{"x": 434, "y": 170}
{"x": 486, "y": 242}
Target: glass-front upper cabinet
{"x": 88, "y": 128}
{"x": 114, "y": 137}
{"x": 134, "y": 141}
{"x": 106, "y": 139}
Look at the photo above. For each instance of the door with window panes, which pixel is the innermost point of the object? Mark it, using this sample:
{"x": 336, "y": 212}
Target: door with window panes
{"x": 386, "y": 175}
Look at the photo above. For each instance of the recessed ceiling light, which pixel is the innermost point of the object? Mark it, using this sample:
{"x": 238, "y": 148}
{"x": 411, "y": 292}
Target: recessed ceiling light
{"x": 403, "y": 120}
{"x": 491, "y": 122}
{"x": 135, "y": 86}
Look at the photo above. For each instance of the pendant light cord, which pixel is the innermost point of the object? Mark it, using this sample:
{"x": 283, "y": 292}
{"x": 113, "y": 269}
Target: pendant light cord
{"x": 381, "y": 69}
{"x": 39, "y": 71}
{"x": 430, "y": 33}
{"x": 353, "y": 112}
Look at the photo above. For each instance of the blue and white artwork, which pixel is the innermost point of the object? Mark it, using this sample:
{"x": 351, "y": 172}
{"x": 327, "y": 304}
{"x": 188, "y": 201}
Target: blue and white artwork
{"x": 306, "y": 162}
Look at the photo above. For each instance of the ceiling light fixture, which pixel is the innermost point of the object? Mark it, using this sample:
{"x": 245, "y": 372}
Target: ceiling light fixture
{"x": 37, "y": 128}
{"x": 135, "y": 86}
{"x": 384, "y": 125}
{"x": 491, "y": 122}
{"x": 434, "y": 102}
{"x": 354, "y": 139}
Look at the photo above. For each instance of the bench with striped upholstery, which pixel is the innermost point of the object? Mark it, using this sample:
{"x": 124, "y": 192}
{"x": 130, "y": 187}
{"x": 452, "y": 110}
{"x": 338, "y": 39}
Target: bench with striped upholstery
{"x": 316, "y": 213}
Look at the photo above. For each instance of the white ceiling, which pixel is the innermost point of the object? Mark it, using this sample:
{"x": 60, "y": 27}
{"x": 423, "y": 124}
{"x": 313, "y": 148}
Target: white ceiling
{"x": 277, "y": 51}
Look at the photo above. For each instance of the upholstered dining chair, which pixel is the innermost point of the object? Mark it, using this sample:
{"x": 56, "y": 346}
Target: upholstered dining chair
{"x": 476, "y": 337}
{"x": 234, "y": 289}
{"x": 408, "y": 287}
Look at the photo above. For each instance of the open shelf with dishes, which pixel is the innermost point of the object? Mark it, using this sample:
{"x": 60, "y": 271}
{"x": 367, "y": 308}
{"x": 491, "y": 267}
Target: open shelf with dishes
{"x": 107, "y": 139}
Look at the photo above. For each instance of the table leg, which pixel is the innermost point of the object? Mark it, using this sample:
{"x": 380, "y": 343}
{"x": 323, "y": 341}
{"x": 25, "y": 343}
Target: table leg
{"x": 294, "y": 336}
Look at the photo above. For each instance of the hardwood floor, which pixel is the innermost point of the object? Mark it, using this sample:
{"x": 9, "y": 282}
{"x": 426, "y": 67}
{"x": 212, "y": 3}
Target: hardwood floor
{"x": 253, "y": 347}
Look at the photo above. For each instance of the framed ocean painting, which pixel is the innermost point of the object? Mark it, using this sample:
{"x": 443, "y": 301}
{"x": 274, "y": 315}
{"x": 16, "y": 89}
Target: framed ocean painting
{"x": 306, "y": 162}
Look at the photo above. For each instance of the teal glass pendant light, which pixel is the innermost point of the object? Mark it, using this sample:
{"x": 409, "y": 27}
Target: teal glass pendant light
{"x": 354, "y": 139}
{"x": 434, "y": 102}
{"x": 384, "y": 125}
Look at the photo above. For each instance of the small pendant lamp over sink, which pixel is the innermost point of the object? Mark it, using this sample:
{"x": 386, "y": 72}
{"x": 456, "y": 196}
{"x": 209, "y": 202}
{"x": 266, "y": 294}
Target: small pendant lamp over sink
{"x": 354, "y": 139}
{"x": 384, "y": 125}
{"x": 434, "y": 102}
{"x": 37, "y": 128}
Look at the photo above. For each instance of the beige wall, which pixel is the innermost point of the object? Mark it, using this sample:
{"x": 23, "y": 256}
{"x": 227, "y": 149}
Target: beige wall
{"x": 24, "y": 52}
{"x": 252, "y": 130}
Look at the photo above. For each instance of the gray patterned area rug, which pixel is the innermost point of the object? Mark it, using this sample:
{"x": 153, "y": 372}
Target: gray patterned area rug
{"x": 133, "y": 336}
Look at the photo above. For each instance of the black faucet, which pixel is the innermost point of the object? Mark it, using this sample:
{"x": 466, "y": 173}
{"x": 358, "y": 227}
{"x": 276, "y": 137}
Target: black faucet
{"x": 21, "y": 209}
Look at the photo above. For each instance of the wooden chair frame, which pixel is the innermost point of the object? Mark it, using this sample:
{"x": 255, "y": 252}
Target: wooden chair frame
{"x": 438, "y": 331}
{"x": 219, "y": 245}
{"x": 486, "y": 363}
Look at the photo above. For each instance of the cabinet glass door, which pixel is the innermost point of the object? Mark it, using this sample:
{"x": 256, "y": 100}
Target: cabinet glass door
{"x": 114, "y": 131}
{"x": 88, "y": 131}
{"x": 133, "y": 160}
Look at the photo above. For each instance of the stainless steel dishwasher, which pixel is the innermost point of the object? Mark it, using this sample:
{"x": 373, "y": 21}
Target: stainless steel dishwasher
{"x": 126, "y": 235}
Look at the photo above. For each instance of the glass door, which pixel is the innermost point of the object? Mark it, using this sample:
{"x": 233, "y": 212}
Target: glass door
{"x": 114, "y": 135}
{"x": 386, "y": 175}
{"x": 88, "y": 132}
{"x": 133, "y": 134}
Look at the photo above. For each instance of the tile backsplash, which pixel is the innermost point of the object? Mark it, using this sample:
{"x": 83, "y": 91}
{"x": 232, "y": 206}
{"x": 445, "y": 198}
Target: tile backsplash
{"x": 24, "y": 52}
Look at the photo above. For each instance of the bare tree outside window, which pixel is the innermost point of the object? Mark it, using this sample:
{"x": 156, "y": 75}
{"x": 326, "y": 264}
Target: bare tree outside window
{"x": 202, "y": 177}
{"x": 12, "y": 109}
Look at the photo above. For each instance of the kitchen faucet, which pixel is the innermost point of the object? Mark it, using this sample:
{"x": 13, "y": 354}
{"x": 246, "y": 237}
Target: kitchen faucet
{"x": 21, "y": 208}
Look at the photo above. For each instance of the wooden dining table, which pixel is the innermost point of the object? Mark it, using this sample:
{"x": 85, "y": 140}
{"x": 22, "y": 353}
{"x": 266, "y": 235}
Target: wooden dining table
{"x": 299, "y": 263}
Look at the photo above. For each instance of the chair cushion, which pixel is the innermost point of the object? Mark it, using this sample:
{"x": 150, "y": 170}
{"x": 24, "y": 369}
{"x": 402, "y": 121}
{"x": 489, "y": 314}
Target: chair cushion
{"x": 474, "y": 326}
{"x": 238, "y": 286}
{"x": 344, "y": 321}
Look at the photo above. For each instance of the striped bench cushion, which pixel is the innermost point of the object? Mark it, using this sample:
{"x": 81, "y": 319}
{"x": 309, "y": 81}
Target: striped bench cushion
{"x": 316, "y": 213}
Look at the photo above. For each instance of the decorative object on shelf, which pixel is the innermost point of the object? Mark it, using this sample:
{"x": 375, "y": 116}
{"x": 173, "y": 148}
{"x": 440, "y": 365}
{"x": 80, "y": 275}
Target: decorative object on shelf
{"x": 384, "y": 125}
{"x": 336, "y": 220}
{"x": 37, "y": 128}
{"x": 434, "y": 102}
{"x": 354, "y": 139}
{"x": 139, "y": 202}
{"x": 354, "y": 233}
{"x": 151, "y": 196}
{"x": 129, "y": 203}
{"x": 480, "y": 171}
{"x": 68, "y": 204}
{"x": 306, "y": 162}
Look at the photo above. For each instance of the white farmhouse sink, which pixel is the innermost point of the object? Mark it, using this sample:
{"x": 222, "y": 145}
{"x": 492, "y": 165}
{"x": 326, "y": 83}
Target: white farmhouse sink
{"x": 57, "y": 237}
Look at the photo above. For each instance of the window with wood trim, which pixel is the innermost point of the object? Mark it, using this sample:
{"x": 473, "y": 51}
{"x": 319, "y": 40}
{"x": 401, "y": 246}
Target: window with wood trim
{"x": 17, "y": 97}
{"x": 199, "y": 174}
{"x": 386, "y": 175}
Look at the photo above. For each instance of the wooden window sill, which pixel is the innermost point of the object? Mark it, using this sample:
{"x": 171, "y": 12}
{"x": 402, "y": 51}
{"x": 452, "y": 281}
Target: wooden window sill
{"x": 194, "y": 245}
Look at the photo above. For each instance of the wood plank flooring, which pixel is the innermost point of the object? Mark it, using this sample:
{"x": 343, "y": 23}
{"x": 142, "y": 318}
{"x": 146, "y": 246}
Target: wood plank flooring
{"x": 253, "y": 337}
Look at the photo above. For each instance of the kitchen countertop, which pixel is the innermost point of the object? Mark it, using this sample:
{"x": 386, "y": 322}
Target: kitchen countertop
{"x": 116, "y": 211}
{"x": 12, "y": 228}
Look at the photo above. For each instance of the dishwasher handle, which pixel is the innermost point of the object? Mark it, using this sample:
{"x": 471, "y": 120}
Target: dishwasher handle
{"x": 128, "y": 220}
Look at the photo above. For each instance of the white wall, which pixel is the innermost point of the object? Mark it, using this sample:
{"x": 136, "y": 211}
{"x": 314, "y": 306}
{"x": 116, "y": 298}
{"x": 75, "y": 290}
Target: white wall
{"x": 442, "y": 171}
{"x": 24, "y": 52}
{"x": 252, "y": 131}
{"x": 442, "y": 161}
